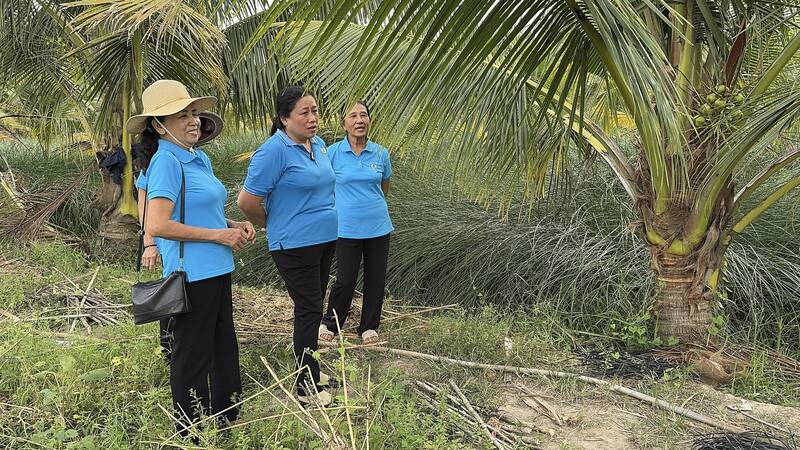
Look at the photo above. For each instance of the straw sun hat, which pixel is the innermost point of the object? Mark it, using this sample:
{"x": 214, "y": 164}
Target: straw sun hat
{"x": 166, "y": 97}
{"x": 210, "y": 127}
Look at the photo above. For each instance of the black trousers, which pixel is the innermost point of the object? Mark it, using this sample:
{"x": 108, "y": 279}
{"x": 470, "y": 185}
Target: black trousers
{"x": 165, "y": 337}
{"x": 305, "y": 271}
{"x": 204, "y": 365}
{"x": 348, "y": 260}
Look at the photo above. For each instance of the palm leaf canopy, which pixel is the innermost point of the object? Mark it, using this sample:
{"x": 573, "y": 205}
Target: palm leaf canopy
{"x": 488, "y": 84}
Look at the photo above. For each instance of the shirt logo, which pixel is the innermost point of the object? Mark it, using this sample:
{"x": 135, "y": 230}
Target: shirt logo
{"x": 374, "y": 166}
{"x": 324, "y": 150}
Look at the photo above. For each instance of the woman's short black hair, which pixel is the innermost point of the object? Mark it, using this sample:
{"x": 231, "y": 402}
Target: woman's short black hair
{"x": 285, "y": 103}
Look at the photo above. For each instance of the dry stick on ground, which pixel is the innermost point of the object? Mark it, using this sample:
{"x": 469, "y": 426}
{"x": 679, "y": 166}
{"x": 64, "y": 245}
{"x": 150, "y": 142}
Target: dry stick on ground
{"x": 477, "y": 416}
{"x": 416, "y": 313}
{"x": 429, "y": 392}
{"x": 66, "y": 316}
{"x": 764, "y": 422}
{"x": 551, "y": 373}
{"x": 549, "y": 410}
{"x": 333, "y": 438}
{"x": 83, "y": 300}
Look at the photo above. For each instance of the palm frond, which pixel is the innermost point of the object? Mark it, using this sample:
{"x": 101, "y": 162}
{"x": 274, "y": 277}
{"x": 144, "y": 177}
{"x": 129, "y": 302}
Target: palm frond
{"x": 459, "y": 75}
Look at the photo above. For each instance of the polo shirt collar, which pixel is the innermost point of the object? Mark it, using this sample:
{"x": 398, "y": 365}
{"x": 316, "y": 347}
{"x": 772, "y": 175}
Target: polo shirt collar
{"x": 368, "y": 148}
{"x": 287, "y": 140}
{"x": 183, "y": 155}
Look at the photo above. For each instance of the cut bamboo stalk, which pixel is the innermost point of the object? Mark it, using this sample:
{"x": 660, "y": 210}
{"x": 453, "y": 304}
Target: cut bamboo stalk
{"x": 83, "y": 300}
{"x": 551, "y": 373}
{"x": 477, "y": 416}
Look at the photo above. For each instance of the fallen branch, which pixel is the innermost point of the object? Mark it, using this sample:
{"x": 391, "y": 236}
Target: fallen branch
{"x": 429, "y": 393}
{"x": 83, "y": 300}
{"x": 416, "y": 313}
{"x": 764, "y": 422}
{"x": 477, "y": 416}
{"x": 551, "y": 373}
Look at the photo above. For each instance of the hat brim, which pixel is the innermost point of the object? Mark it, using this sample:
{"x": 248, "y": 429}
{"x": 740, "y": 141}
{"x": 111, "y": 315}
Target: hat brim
{"x": 211, "y": 126}
{"x": 136, "y": 124}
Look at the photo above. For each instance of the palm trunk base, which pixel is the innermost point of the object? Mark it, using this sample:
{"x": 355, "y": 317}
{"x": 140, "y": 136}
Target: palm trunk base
{"x": 120, "y": 228}
{"x": 684, "y": 307}
{"x": 683, "y": 318}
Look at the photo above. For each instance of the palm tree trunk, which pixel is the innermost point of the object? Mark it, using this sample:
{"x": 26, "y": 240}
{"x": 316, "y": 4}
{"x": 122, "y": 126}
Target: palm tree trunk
{"x": 684, "y": 299}
{"x": 127, "y": 203}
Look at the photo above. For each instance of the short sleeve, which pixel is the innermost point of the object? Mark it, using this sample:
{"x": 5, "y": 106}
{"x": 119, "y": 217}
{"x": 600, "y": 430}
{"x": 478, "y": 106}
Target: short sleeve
{"x": 141, "y": 180}
{"x": 332, "y": 152}
{"x": 266, "y": 168}
{"x": 387, "y": 165}
{"x": 164, "y": 178}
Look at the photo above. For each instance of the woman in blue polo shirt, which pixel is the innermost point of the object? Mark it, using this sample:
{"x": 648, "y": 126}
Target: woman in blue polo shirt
{"x": 289, "y": 188}
{"x": 363, "y": 171}
{"x": 205, "y": 351}
{"x": 211, "y": 126}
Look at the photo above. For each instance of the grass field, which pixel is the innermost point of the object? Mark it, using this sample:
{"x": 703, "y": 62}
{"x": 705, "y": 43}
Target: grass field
{"x": 551, "y": 279}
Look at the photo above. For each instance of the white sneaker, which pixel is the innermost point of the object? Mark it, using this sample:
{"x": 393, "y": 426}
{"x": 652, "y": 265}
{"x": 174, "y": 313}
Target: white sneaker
{"x": 369, "y": 337}
{"x": 319, "y": 398}
{"x": 327, "y": 381}
{"x": 325, "y": 334}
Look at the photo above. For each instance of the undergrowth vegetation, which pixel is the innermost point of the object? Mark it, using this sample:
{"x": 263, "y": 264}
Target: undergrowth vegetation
{"x": 575, "y": 257}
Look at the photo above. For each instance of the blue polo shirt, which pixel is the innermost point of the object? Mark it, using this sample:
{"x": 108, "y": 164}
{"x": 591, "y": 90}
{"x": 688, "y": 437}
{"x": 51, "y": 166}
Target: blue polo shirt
{"x": 297, "y": 190}
{"x": 205, "y": 208}
{"x": 360, "y": 203}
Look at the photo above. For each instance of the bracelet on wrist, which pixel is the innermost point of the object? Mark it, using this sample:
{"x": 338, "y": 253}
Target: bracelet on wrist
{"x": 148, "y": 246}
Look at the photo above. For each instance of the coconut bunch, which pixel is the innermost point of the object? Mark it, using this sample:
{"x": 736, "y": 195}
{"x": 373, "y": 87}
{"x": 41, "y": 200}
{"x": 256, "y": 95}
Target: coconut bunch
{"x": 722, "y": 107}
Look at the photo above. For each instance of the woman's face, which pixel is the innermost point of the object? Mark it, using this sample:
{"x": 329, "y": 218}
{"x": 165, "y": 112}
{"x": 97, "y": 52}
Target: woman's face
{"x": 356, "y": 122}
{"x": 182, "y": 128}
{"x": 301, "y": 125}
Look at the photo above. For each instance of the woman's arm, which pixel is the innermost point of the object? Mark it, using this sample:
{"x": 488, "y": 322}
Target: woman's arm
{"x": 142, "y": 198}
{"x": 160, "y": 224}
{"x": 385, "y": 185}
{"x": 150, "y": 252}
{"x": 252, "y": 207}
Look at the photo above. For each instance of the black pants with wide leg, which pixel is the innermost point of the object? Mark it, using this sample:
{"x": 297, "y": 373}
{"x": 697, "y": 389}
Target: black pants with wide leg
{"x": 204, "y": 365}
{"x": 305, "y": 271}
{"x": 348, "y": 259}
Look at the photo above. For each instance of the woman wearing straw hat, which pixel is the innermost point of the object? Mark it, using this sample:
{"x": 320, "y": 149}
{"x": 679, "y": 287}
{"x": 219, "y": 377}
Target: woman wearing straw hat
{"x": 205, "y": 351}
{"x": 211, "y": 126}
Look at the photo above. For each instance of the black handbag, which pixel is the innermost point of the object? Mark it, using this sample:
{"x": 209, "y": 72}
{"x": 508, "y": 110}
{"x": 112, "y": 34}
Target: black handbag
{"x": 160, "y": 299}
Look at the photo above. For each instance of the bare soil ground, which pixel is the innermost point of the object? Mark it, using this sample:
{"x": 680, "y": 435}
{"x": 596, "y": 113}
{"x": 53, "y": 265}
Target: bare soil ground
{"x": 565, "y": 415}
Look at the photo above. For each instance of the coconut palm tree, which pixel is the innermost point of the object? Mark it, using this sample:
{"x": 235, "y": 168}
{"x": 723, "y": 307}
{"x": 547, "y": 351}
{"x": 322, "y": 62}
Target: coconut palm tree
{"x": 506, "y": 88}
{"x": 96, "y": 56}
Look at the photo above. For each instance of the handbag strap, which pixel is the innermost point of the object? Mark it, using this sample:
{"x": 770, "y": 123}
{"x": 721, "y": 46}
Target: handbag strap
{"x": 144, "y": 219}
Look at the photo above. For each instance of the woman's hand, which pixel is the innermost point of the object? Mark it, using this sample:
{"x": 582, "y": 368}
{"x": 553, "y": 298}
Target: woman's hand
{"x": 234, "y": 238}
{"x": 246, "y": 227}
{"x": 150, "y": 257}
